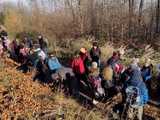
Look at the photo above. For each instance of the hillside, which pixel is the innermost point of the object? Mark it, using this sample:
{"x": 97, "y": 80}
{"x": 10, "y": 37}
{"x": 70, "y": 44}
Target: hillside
{"x": 23, "y": 99}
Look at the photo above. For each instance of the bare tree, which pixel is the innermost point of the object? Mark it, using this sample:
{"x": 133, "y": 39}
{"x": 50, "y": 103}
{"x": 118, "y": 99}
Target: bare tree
{"x": 131, "y": 7}
{"x": 158, "y": 16}
{"x": 140, "y": 10}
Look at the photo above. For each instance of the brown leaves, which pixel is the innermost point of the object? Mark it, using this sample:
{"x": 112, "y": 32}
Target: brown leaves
{"x": 23, "y": 98}
{"x": 18, "y": 96}
{"x": 152, "y": 111}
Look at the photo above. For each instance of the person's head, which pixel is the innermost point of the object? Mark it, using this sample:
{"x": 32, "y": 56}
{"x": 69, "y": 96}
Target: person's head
{"x": 25, "y": 38}
{"x": 148, "y": 62}
{"x": 121, "y": 52}
{"x": 130, "y": 69}
{"x": 95, "y": 45}
{"x": 115, "y": 55}
{"x": 40, "y": 37}
{"x": 14, "y": 41}
{"x": 36, "y": 46}
{"x": 94, "y": 65}
{"x": 51, "y": 54}
{"x": 135, "y": 61}
{"x": 21, "y": 45}
{"x": 83, "y": 51}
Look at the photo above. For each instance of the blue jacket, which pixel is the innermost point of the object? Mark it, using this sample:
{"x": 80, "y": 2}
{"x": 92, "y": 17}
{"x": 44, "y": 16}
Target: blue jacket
{"x": 137, "y": 81}
{"x": 54, "y": 64}
{"x": 146, "y": 73}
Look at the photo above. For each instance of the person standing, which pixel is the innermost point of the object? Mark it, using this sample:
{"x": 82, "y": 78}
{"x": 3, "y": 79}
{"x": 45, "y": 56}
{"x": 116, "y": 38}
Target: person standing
{"x": 78, "y": 68}
{"x": 113, "y": 60}
{"x": 42, "y": 43}
{"x": 114, "y": 64}
{"x": 13, "y": 49}
{"x": 95, "y": 53}
{"x": 28, "y": 42}
{"x": 5, "y": 43}
{"x": 40, "y": 67}
{"x": 136, "y": 80}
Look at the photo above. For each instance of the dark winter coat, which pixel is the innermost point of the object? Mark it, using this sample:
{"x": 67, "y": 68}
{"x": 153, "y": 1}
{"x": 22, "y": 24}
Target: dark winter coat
{"x": 95, "y": 54}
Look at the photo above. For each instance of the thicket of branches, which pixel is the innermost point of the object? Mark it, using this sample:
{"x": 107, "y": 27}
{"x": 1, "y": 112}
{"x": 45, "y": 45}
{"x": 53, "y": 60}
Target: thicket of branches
{"x": 112, "y": 20}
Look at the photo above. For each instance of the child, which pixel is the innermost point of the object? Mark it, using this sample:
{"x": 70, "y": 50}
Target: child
{"x": 95, "y": 53}
{"x": 95, "y": 80}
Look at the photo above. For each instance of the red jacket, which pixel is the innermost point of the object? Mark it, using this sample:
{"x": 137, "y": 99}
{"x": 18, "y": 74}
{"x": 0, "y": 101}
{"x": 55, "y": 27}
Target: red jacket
{"x": 118, "y": 68}
{"x": 78, "y": 65}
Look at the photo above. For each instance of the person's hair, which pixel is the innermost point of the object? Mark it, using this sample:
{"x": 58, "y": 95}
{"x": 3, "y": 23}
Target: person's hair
{"x": 95, "y": 43}
{"x": 22, "y": 45}
{"x": 115, "y": 53}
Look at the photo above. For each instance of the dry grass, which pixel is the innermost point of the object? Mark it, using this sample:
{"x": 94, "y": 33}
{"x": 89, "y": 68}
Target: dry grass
{"x": 107, "y": 51}
{"x": 20, "y": 97}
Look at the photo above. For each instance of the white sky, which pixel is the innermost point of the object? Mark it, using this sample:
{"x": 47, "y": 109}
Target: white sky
{"x": 25, "y": 1}
{"x": 12, "y": 1}
{"x": 1, "y": 1}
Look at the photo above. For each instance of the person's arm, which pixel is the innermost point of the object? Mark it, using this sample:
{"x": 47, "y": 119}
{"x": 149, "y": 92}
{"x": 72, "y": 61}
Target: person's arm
{"x": 35, "y": 63}
{"x": 148, "y": 77}
{"x": 100, "y": 52}
{"x": 72, "y": 64}
{"x": 82, "y": 67}
{"x": 91, "y": 53}
{"x": 34, "y": 72}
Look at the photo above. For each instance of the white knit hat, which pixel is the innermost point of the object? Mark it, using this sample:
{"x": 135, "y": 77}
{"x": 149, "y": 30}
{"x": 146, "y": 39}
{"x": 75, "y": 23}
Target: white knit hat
{"x": 94, "y": 65}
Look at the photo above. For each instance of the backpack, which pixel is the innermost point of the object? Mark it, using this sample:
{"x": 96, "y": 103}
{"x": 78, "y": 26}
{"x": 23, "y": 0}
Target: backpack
{"x": 96, "y": 83}
{"x": 133, "y": 96}
{"x": 107, "y": 73}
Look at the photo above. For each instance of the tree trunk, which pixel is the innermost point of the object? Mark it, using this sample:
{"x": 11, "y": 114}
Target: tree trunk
{"x": 131, "y": 6}
{"x": 140, "y": 11}
{"x": 157, "y": 16}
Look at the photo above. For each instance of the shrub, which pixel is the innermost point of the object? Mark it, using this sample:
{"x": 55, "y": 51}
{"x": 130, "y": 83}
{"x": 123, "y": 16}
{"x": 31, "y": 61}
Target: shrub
{"x": 13, "y": 22}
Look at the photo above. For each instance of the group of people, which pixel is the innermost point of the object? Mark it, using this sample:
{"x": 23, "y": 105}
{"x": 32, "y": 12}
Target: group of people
{"x": 86, "y": 70}
{"x": 113, "y": 77}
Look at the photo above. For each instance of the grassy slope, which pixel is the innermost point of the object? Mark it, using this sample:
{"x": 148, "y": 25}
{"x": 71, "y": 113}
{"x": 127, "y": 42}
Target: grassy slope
{"x": 20, "y": 97}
